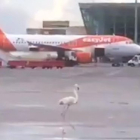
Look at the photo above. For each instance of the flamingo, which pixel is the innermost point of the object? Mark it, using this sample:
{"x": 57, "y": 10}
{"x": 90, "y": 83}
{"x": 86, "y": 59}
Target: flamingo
{"x": 68, "y": 101}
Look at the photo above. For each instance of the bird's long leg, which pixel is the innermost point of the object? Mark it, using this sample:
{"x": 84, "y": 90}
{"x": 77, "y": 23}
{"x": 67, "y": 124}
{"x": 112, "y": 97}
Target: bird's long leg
{"x": 65, "y": 114}
{"x": 71, "y": 125}
{"x": 63, "y": 111}
{"x": 63, "y": 133}
{"x": 63, "y": 117}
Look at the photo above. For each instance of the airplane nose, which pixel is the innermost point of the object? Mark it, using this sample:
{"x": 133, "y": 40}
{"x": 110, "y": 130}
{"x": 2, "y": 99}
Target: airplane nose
{"x": 136, "y": 48}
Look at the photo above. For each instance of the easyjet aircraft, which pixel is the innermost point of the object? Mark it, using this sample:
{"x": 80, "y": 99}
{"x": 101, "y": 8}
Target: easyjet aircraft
{"x": 112, "y": 44}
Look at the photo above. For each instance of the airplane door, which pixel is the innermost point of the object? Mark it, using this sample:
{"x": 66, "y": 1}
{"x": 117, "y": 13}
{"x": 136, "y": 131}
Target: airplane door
{"x": 99, "y": 52}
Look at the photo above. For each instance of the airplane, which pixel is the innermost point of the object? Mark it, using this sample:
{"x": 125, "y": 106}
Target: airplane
{"x": 111, "y": 45}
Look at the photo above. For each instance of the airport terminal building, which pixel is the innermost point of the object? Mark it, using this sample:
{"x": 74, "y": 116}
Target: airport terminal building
{"x": 110, "y": 18}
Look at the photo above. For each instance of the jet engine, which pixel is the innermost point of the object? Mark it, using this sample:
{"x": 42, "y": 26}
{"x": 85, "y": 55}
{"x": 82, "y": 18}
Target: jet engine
{"x": 83, "y": 57}
{"x": 33, "y": 48}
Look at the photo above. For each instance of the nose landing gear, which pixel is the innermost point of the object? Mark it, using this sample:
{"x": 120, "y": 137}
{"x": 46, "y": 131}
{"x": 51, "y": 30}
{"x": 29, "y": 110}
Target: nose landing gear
{"x": 117, "y": 63}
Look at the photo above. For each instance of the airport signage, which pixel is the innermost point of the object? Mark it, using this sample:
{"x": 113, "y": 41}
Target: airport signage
{"x": 55, "y": 24}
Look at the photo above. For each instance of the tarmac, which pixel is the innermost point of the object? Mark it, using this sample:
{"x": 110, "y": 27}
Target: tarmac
{"x": 108, "y": 107}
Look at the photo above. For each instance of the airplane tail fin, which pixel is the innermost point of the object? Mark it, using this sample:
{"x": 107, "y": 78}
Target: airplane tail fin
{"x": 1, "y": 32}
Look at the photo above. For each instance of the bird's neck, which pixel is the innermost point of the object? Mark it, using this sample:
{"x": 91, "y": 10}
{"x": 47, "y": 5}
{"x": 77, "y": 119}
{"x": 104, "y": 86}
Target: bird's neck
{"x": 76, "y": 95}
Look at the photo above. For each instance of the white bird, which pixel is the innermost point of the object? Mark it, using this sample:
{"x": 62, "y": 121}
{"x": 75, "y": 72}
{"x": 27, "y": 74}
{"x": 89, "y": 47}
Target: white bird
{"x": 68, "y": 101}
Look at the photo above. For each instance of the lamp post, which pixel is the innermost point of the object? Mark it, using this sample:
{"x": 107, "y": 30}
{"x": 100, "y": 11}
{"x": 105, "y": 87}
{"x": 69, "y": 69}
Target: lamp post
{"x": 136, "y": 22}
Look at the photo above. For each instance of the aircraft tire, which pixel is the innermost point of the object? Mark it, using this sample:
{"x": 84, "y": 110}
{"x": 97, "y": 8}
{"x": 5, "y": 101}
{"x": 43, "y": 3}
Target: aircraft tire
{"x": 132, "y": 65}
{"x": 115, "y": 64}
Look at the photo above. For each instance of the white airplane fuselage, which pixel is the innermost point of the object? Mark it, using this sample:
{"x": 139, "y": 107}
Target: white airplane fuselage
{"x": 113, "y": 45}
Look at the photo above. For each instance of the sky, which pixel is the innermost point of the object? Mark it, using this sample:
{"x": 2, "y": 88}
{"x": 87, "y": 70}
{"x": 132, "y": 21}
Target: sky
{"x": 17, "y": 15}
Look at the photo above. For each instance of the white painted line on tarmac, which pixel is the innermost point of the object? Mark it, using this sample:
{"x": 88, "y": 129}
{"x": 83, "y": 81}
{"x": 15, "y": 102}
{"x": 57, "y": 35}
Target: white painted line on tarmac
{"x": 30, "y": 105}
{"x": 114, "y": 72}
{"x": 51, "y": 124}
{"x": 60, "y": 138}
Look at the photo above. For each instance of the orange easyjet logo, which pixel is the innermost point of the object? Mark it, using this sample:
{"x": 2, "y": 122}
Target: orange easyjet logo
{"x": 97, "y": 40}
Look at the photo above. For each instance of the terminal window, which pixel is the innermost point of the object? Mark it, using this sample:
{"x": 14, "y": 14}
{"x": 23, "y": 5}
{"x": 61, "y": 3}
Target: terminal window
{"x": 118, "y": 20}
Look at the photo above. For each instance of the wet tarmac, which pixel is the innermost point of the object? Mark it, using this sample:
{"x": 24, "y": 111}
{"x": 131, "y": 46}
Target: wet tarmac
{"x": 108, "y": 107}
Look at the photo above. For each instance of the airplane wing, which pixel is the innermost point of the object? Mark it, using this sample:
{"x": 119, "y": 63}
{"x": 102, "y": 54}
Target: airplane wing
{"x": 47, "y": 47}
